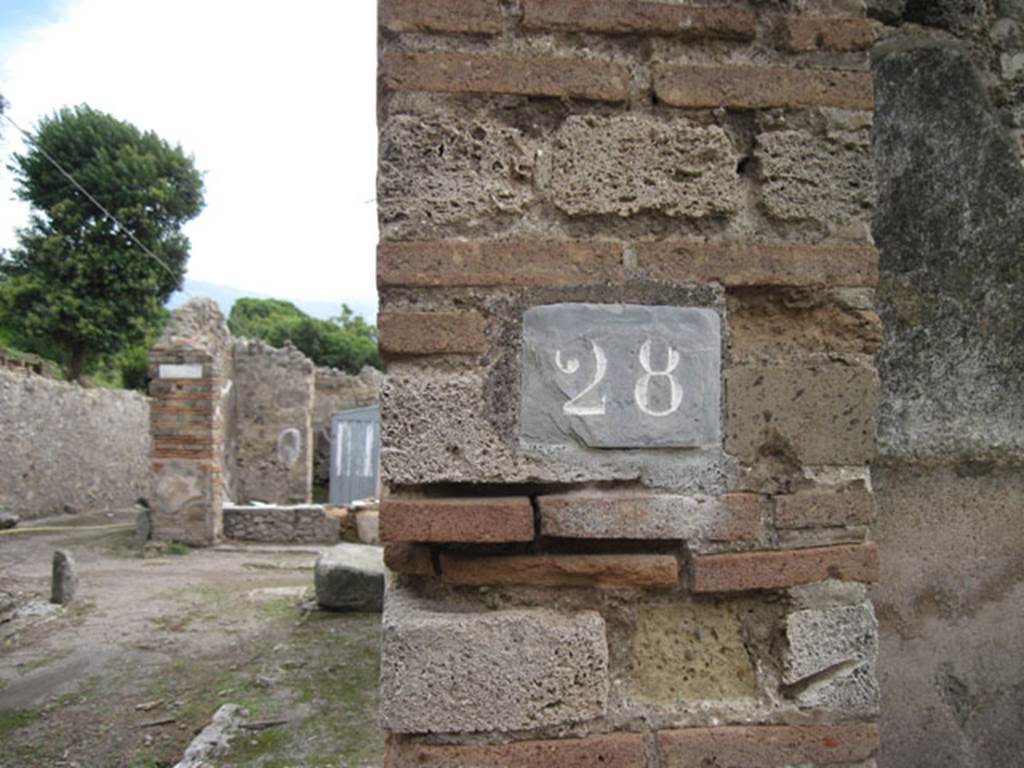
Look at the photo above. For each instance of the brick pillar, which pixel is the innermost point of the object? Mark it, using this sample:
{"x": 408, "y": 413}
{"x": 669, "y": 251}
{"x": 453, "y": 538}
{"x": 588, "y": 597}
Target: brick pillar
{"x": 626, "y": 308}
{"x": 190, "y": 370}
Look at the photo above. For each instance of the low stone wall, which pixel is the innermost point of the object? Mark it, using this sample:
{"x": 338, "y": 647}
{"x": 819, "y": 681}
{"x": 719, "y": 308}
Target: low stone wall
{"x": 66, "y": 446}
{"x": 281, "y": 525}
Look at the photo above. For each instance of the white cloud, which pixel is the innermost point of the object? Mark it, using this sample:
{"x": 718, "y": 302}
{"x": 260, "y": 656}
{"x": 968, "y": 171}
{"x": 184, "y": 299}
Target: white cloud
{"x": 276, "y": 102}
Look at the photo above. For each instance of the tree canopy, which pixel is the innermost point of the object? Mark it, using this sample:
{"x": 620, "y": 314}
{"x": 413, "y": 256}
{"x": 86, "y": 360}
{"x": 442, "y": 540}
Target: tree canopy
{"x": 77, "y": 287}
{"x": 346, "y": 342}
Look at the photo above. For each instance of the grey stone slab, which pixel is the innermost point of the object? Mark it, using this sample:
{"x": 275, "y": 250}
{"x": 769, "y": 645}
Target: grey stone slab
{"x": 350, "y": 577}
{"x": 621, "y": 376}
{"x": 445, "y": 670}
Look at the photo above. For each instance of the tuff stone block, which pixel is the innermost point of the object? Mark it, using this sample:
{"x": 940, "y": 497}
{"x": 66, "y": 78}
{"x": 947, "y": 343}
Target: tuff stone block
{"x": 812, "y": 510}
{"x": 732, "y": 517}
{"x": 762, "y": 325}
{"x": 473, "y": 16}
{"x": 768, "y": 746}
{"x": 624, "y": 17}
{"x": 590, "y": 79}
{"x": 746, "y": 571}
{"x": 626, "y": 164}
{"x": 821, "y": 178}
{"x": 598, "y": 571}
{"x": 619, "y": 750}
{"x": 689, "y": 653}
{"x": 501, "y": 670}
{"x": 619, "y": 376}
{"x": 816, "y": 413}
{"x": 455, "y": 520}
{"x": 738, "y": 264}
{"x": 439, "y": 172}
{"x": 432, "y": 333}
{"x": 517, "y": 263}
{"x": 350, "y": 577}
{"x": 749, "y": 87}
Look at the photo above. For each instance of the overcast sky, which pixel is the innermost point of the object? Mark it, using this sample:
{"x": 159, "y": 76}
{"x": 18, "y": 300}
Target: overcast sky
{"x": 274, "y": 99}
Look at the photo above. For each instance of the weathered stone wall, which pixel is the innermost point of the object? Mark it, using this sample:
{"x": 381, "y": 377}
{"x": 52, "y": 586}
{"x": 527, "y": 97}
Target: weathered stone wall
{"x": 335, "y": 391}
{"x": 66, "y": 446}
{"x": 577, "y": 581}
{"x": 280, "y": 524}
{"x": 949, "y": 117}
{"x": 273, "y": 411}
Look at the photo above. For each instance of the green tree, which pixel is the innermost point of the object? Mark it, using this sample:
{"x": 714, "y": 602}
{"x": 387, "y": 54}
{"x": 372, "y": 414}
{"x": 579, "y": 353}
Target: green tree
{"x": 347, "y": 342}
{"x": 78, "y": 286}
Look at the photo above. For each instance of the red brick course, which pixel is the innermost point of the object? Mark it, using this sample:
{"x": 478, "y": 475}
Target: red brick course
{"x": 498, "y": 262}
{"x": 627, "y": 16}
{"x": 432, "y": 333}
{"x": 620, "y": 750}
{"x": 747, "y": 87}
{"x": 484, "y": 73}
{"x": 746, "y": 571}
{"x": 480, "y": 521}
{"x": 737, "y": 264}
{"x": 473, "y": 16}
{"x": 813, "y": 510}
{"x": 601, "y": 571}
{"x": 768, "y": 746}
{"x": 802, "y": 34}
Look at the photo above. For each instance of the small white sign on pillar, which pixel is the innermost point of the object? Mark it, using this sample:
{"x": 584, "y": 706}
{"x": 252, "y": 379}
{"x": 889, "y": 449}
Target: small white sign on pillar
{"x": 190, "y": 371}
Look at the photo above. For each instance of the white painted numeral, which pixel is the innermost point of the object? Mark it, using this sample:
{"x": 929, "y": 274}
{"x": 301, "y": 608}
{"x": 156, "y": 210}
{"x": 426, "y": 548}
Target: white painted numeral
{"x": 641, "y": 393}
{"x": 574, "y": 407}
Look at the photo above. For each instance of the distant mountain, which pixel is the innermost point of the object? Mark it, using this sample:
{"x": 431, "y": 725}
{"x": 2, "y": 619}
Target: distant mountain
{"x": 226, "y": 295}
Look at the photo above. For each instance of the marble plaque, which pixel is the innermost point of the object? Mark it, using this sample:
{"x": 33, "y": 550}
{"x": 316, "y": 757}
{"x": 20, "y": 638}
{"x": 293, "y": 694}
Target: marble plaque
{"x": 621, "y": 376}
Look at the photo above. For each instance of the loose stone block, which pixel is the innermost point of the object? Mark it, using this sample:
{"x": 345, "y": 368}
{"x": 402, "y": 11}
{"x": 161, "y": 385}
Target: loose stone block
{"x": 628, "y": 17}
{"x": 432, "y": 333}
{"x": 768, "y": 746}
{"x": 350, "y": 577}
{"x": 738, "y": 264}
{"x": 598, "y": 571}
{"x": 473, "y": 520}
{"x": 523, "y": 75}
{"x": 626, "y": 164}
{"x": 475, "y": 16}
{"x": 810, "y": 177}
{"x": 732, "y": 517}
{"x": 818, "y": 413}
{"x": 813, "y": 510}
{"x": 774, "y": 570}
{"x": 506, "y": 670}
{"x": 747, "y": 87}
{"x": 685, "y": 654}
{"x": 616, "y": 376}
{"x": 64, "y": 578}
{"x": 520, "y": 263}
{"x": 619, "y": 750}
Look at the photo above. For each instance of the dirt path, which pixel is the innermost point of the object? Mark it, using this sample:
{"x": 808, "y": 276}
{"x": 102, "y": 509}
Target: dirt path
{"x": 155, "y": 636}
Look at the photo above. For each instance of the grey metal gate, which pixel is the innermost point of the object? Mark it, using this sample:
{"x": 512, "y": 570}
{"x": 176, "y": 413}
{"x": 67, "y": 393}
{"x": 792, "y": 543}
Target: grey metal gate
{"x": 355, "y": 454}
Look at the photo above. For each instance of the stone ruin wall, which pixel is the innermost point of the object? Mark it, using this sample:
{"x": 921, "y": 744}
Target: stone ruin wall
{"x": 949, "y": 479}
{"x": 234, "y": 422}
{"x": 67, "y": 448}
{"x": 565, "y": 593}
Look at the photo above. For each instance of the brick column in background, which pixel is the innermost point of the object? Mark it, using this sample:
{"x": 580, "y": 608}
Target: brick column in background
{"x": 627, "y": 311}
{"x": 188, "y": 382}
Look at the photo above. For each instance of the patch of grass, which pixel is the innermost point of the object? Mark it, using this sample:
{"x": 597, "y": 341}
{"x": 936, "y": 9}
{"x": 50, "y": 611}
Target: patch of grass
{"x": 144, "y": 758}
{"x": 176, "y": 548}
{"x": 12, "y": 720}
{"x": 44, "y": 661}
